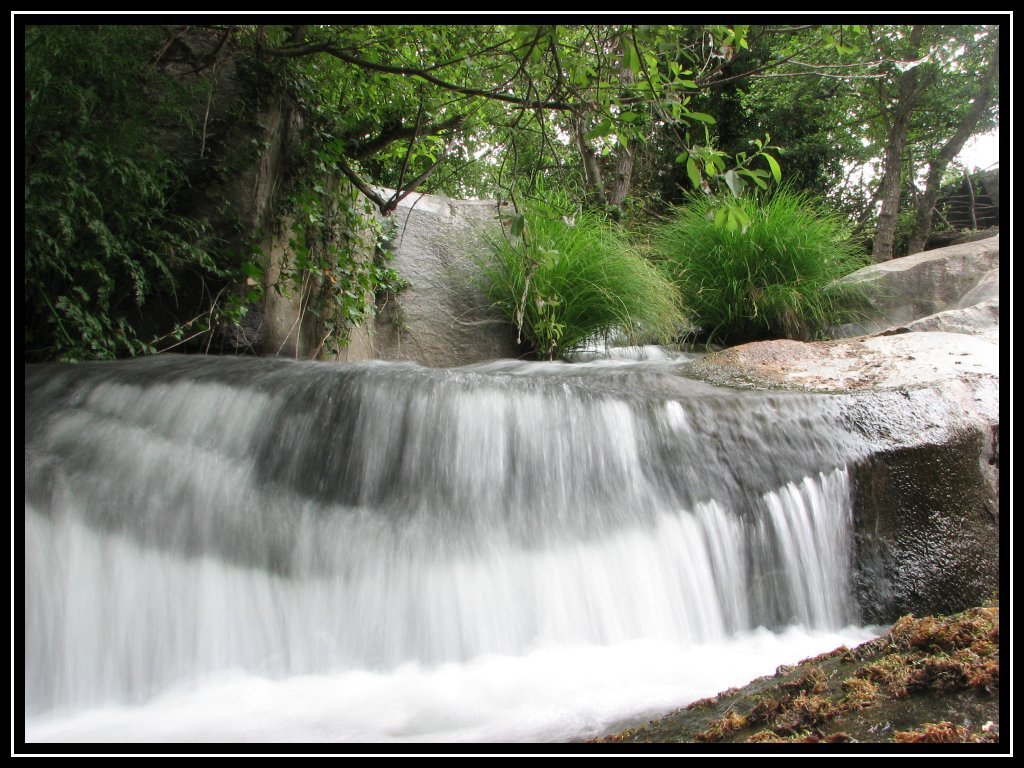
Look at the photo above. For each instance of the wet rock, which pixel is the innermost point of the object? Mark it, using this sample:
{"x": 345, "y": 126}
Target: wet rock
{"x": 931, "y": 679}
{"x": 926, "y": 406}
{"x": 926, "y": 530}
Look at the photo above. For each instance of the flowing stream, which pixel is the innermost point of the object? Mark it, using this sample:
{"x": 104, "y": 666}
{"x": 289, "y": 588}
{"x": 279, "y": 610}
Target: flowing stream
{"x": 267, "y": 550}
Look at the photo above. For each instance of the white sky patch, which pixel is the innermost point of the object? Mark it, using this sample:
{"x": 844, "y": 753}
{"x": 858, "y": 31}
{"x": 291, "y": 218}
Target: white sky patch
{"x": 981, "y": 152}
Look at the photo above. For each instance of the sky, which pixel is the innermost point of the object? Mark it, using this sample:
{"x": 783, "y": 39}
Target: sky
{"x": 981, "y": 151}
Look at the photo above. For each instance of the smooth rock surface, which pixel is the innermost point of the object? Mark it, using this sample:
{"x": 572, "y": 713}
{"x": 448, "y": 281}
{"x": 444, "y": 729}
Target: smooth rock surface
{"x": 903, "y": 290}
{"x": 442, "y": 319}
{"x": 876, "y": 362}
{"x": 981, "y": 319}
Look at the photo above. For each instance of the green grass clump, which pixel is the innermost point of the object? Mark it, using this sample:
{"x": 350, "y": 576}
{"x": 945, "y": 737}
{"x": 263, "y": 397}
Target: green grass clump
{"x": 775, "y": 277}
{"x": 564, "y": 280}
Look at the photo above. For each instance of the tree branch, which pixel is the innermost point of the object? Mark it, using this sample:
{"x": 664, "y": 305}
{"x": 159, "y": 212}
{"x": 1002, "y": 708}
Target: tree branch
{"x": 708, "y": 80}
{"x": 361, "y": 185}
{"x": 331, "y": 50}
{"x": 409, "y": 188}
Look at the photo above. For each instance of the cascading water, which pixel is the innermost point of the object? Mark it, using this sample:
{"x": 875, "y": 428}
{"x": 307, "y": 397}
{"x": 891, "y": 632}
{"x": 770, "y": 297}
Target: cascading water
{"x": 234, "y": 549}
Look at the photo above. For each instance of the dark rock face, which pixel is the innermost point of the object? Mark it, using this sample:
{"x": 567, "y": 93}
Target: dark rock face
{"x": 927, "y": 534}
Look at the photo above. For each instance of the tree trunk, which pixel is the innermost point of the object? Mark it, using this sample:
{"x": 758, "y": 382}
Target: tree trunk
{"x": 623, "y": 178}
{"x": 592, "y": 171}
{"x": 937, "y": 167}
{"x": 896, "y": 141}
{"x": 617, "y": 190}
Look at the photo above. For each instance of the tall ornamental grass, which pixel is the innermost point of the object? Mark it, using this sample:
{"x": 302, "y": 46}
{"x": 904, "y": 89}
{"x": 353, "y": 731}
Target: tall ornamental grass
{"x": 774, "y": 278}
{"x": 563, "y": 281}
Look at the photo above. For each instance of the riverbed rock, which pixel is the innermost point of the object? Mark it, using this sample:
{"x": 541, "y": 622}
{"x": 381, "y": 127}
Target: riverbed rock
{"x": 926, "y": 497}
{"x": 898, "y": 292}
{"x": 883, "y": 362}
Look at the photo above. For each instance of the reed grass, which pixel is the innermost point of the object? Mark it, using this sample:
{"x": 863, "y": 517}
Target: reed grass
{"x": 775, "y": 278}
{"x": 564, "y": 281}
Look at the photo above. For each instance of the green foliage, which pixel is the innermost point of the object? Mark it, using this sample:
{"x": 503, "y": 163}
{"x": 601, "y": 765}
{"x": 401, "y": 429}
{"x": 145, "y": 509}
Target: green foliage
{"x": 102, "y": 237}
{"x": 773, "y": 277}
{"x": 332, "y": 233}
{"x": 563, "y": 279}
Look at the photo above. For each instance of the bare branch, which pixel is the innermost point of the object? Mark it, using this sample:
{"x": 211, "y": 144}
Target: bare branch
{"x": 818, "y": 74}
{"x": 170, "y": 41}
{"x": 409, "y": 188}
{"x": 708, "y": 80}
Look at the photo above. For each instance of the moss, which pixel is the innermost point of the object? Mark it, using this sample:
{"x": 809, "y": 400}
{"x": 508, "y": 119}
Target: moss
{"x": 765, "y": 710}
{"x": 718, "y": 729}
{"x": 766, "y": 737}
{"x": 859, "y": 693}
{"x": 711, "y": 701}
{"x": 811, "y": 681}
{"x": 978, "y": 627}
{"x": 935, "y": 733}
{"x": 930, "y": 679}
{"x": 840, "y": 651}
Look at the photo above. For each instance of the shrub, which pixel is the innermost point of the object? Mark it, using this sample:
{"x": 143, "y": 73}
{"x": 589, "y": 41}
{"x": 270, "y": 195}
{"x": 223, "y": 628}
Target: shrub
{"x": 102, "y": 235}
{"x": 564, "y": 280}
{"x": 773, "y": 276}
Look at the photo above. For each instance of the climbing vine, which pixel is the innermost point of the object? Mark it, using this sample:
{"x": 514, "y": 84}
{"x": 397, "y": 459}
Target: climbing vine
{"x": 341, "y": 260}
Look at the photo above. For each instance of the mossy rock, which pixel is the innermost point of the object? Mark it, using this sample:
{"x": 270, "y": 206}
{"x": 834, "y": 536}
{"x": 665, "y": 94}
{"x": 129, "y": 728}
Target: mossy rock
{"x": 927, "y": 680}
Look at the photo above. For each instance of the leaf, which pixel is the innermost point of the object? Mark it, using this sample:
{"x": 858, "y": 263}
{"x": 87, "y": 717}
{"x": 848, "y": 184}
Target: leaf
{"x": 774, "y": 165}
{"x": 702, "y": 117}
{"x": 579, "y": 77}
{"x": 734, "y": 182}
{"x": 628, "y": 117}
{"x": 756, "y": 176}
{"x": 722, "y": 218}
{"x": 739, "y": 218}
{"x": 631, "y": 59}
{"x": 601, "y": 129}
{"x": 692, "y": 172}
{"x": 518, "y": 225}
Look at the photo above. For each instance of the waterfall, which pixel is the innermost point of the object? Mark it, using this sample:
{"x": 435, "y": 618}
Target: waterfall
{"x": 192, "y": 518}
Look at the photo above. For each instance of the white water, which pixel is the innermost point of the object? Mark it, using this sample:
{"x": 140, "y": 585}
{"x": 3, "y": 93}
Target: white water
{"x": 239, "y": 551}
{"x": 553, "y": 694}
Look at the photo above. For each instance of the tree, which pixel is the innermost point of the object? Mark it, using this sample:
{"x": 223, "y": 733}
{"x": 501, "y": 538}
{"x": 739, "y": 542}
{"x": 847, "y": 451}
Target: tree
{"x": 985, "y": 92}
{"x": 103, "y": 236}
{"x": 861, "y": 120}
{"x": 895, "y": 111}
{"x": 584, "y": 97}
